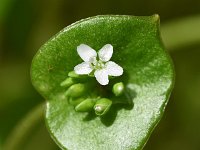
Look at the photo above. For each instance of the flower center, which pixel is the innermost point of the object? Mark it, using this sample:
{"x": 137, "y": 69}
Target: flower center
{"x": 97, "y": 64}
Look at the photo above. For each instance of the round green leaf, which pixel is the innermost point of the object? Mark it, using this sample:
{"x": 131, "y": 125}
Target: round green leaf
{"x": 148, "y": 78}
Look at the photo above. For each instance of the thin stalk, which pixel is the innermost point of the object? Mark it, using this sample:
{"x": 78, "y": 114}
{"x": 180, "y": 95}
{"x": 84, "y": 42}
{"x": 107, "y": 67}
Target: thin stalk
{"x": 24, "y": 129}
{"x": 181, "y": 32}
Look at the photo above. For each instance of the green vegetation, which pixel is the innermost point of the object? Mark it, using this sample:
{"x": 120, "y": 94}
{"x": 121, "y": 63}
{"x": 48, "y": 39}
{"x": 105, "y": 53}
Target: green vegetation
{"x": 25, "y": 25}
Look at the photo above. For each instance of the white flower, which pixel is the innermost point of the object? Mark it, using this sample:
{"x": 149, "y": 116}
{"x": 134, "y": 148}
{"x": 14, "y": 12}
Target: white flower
{"x": 102, "y": 67}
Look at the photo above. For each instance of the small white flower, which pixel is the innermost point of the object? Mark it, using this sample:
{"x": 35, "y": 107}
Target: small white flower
{"x": 102, "y": 67}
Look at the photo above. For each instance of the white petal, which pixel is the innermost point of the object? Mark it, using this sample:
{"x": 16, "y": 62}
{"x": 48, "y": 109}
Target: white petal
{"x": 86, "y": 52}
{"x": 83, "y": 68}
{"x": 101, "y": 76}
{"x": 113, "y": 69}
{"x": 105, "y": 53}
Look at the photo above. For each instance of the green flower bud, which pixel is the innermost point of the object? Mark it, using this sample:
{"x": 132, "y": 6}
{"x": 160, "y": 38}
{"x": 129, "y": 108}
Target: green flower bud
{"x": 85, "y": 105}
{"x": 67, "y": 82}
{"x": 73, "y": 74}
{"x": 77, "y": 77}
{"x": 118, "y": 88}
{"x": 76, "y": 90}
{"x": 102, "y": 106}
{"x": 76, "y": 101}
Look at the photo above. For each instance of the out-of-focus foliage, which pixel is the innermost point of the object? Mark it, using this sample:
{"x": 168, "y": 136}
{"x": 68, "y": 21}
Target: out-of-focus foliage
{"x": 26, "y": 24}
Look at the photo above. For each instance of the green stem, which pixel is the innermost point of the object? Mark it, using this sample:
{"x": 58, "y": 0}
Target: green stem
{"x": 19, "y": 135}
{"x": 181, "y": 32}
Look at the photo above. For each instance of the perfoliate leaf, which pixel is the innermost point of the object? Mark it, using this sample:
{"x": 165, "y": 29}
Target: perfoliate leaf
{"x": 148, "y": 79}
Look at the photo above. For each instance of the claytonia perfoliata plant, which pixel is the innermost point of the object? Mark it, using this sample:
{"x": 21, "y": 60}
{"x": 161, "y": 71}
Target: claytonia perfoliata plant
{"x": 101, "y": 66}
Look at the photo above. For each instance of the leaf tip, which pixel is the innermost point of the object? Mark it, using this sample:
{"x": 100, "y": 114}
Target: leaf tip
{"x": 156, "y": 17}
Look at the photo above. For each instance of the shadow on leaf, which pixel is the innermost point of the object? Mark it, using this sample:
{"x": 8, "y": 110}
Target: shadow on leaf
{"x": 109, "y": 118}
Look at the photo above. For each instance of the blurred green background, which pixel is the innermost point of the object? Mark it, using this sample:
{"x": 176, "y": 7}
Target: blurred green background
{"x": 26, "y": 24}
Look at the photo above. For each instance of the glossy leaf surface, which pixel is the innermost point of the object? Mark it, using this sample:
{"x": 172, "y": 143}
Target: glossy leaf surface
{"x": 148, "y": 78}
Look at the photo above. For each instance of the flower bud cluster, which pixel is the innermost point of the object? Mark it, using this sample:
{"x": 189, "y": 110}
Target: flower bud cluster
{"x": 77, "y": 95}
